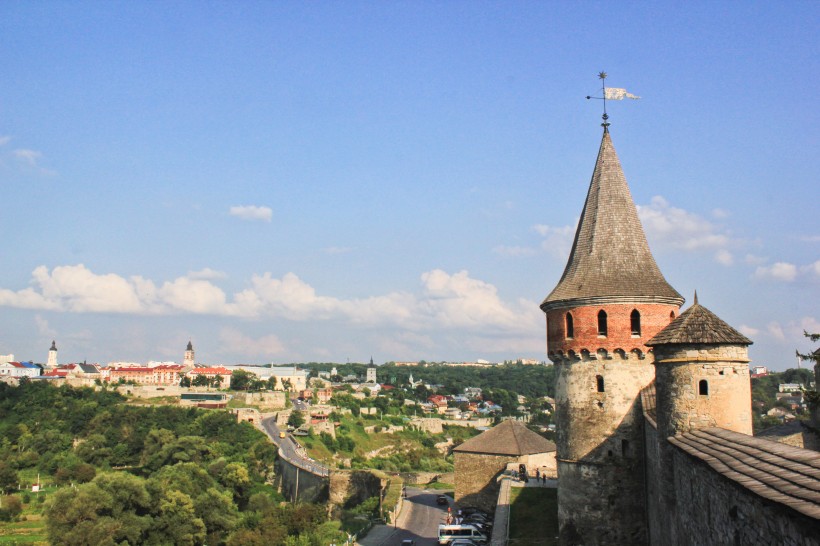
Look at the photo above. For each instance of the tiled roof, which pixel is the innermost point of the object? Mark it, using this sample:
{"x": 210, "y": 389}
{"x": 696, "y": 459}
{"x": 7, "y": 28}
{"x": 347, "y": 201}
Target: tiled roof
{"x": 507, "y": 438}
{"x": 610, "y": 257}
{"x": 698, "y": 325}
{"x": 777, "y": 472}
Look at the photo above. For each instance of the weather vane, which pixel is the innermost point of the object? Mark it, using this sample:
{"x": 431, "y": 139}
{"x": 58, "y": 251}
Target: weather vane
{"x": 612, "y": 93}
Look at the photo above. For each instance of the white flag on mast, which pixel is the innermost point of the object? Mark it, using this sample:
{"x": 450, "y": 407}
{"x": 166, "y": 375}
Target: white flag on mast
{"x": 616, "y": 93}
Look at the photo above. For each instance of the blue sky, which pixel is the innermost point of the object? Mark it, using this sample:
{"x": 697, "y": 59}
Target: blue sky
{"x": 290, "y": 181}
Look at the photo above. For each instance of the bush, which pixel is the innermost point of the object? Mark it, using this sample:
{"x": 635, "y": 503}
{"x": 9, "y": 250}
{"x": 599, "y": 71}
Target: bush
{"x": 12, "y": 507}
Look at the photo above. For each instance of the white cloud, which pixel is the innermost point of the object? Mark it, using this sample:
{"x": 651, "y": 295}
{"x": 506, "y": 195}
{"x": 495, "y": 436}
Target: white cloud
{"x": 776, "y": 331}
{"x": 779, "y": 271}
{"x": 751, "y": 259}
{"x": 44, "y": 328}
{"x": 27, "y": 156}
{"x": 207, "y": 274}
{"x": 557, "y": 240}
{"x": 812, "y": 270}
{"x": 810, "y": 238}
{"x": 445, "y": 301}
{"x": 747, "y": 330}
{"x": 234, "y": 341}
{"x": 680, "y": 229}
{"x": 252, "y": 212}
{"x": 720, "y": 214}
{"x": 724, "y": 257}
{"x": 4, "y": 140}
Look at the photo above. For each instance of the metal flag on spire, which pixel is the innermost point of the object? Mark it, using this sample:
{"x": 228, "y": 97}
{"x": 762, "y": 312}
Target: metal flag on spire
{"x": 611, "y": 93}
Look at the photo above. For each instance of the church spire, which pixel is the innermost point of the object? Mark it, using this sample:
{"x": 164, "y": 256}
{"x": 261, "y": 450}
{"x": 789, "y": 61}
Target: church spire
{"x": 610, "y": 259}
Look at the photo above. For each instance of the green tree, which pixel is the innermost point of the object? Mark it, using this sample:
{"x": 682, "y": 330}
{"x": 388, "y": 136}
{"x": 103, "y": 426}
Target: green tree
{"x": 296, "y": 419}
{"x": 8, "y": 477}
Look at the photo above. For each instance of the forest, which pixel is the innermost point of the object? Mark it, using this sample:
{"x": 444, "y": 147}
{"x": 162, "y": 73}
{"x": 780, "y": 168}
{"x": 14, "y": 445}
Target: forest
{"x": 117, "y": 473}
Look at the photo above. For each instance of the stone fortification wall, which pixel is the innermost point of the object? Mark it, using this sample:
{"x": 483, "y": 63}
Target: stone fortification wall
{"x": 600, "y": 443}
{"x": 298, "y": 484}
{"x": 264, "y": 400}
{"x": 654, "y": 514}
{"x": 349, "y": 488}
{"x": 712, "y": 509}
{"x": 476, "y": 478}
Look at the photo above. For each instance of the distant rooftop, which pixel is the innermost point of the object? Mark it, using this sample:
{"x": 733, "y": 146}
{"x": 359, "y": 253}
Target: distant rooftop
{"x": 507, "y": 438}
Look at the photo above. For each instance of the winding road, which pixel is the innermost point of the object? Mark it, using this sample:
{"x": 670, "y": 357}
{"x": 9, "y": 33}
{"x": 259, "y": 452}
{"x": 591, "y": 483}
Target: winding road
{"x": 419, "y": 520}
{"x": 291, "y": 450}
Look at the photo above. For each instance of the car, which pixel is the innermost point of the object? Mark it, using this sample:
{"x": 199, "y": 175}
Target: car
{"x": 408, "y": 542}
{"x": 468, "y": 510}
{"x": 442, "y": 500}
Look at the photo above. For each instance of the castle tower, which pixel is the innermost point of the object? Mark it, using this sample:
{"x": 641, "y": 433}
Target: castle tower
{"x": 610, "y": 300}
{"x": 52, "y": 356}
{"x": 701, "y": 381}
{"x": 371, "y": 372}
{"x": 188, "y": 359}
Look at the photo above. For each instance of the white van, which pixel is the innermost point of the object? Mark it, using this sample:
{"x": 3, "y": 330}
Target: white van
{"x": 448, "y": 533}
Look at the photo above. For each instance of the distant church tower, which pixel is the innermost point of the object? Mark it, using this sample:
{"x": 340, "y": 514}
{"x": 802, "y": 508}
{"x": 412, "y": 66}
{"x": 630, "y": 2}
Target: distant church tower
{"x": 52, "y": 355}
{"x": 371, "y": 372}
{"x": 188, "y": 360}
{"x": 611, "y": 299}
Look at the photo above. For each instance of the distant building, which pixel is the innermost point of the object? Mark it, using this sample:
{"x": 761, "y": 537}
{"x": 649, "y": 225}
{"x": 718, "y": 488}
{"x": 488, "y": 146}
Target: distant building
{"x": 51, "y": 363}
{"x": 19, "y": 369}
{"x": 213, "y": 372}
{"x": 188, "y": 359}
{"x": 371, "y": 372}
{"x": 789, "y": 387}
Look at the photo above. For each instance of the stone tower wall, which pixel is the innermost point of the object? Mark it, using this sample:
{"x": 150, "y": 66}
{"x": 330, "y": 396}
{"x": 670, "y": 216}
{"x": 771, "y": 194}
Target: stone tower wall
{"x": 654, "y": 318}
{"x": 600, "y": 443}
{"x": 600, "y": 437}
{"x": 680, "y": 406}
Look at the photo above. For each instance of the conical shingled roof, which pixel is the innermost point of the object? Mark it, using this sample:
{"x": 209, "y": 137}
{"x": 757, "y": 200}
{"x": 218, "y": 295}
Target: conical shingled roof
{"x": 507, "y": 438}
{"x": 610, "y": 259}
{"x": 698, "y": 325}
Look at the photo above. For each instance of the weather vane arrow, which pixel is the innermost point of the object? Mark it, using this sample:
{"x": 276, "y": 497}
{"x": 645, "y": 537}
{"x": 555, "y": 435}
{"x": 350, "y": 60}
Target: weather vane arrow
{"x": 610, "y": 93}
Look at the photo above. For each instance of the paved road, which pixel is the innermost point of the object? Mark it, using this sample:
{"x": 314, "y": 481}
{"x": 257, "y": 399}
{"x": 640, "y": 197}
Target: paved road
{"x": 290, "y": 449}
{"x": 419, "y": 520}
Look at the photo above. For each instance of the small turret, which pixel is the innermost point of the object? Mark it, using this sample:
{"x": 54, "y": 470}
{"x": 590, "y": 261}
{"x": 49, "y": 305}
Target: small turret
{"x": 702, "y": 374}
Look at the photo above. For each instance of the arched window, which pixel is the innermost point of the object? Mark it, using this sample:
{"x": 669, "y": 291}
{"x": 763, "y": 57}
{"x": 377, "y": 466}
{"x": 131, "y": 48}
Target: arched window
{"x": 625, "y": 448}
{"x": 671, "y": 315}
{"x": 602, "y": 323}
{"x": 703, "y": 387}
{"x": 635, "y": 322}
{"x": 570, "y": 327}
{"x": 599, "y": 380}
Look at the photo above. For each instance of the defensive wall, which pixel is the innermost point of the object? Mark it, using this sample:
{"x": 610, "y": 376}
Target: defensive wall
{"x": 715, "y": 504}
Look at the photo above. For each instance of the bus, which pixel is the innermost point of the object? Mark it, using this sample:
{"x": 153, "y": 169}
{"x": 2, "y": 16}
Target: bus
{"x": 448, "y": 533}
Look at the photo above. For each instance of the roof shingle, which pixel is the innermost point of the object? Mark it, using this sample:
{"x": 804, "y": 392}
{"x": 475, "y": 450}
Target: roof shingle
{"x": 610, "y": 258}
{"x": 507, "y": 438}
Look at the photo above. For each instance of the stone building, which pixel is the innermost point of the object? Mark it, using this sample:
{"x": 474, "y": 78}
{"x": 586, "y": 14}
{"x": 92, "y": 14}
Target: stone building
{"x": 480, "y": 460}
{"x": 653, "y": 407}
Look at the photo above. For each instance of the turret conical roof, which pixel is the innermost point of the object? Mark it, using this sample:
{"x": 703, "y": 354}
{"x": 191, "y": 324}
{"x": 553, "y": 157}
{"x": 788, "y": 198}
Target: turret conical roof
{"x": 610, "y": 259}
{"x": 698, "y": 325}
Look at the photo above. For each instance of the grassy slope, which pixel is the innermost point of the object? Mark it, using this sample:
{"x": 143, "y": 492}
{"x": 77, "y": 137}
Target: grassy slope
{"x": 533, "y": 516}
